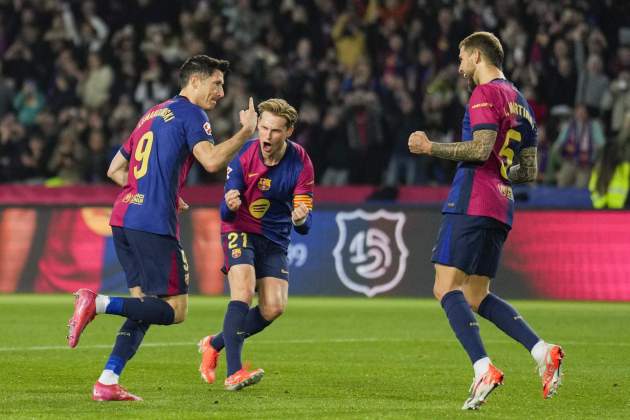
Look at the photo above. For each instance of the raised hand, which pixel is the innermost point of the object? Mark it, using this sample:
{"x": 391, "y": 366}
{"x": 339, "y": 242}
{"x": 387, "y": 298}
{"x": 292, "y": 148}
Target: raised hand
{"x": 249, "y": 117}
{"x": 299, "y": 213}
{"x": 419, "y": 143}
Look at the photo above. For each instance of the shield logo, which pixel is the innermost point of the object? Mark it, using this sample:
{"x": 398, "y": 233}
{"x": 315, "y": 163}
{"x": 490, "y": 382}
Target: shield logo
{"x": 370, "y": 255}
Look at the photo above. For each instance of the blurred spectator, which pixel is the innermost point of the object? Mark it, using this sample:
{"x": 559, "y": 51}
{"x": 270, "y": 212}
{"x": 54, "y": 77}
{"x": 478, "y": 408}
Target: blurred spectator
{"x": 28, "y": 102}
{"x": 96, "y": 161}
{"x": 577, "y": 148}
{"x": 610, "y": 179}
{"x": 68, "y": 160}
{"x": 620, "y": 100}
{"x": 94, "y": 60}
{"x": 94, "y": 88}
{"x": 402, "y": 162}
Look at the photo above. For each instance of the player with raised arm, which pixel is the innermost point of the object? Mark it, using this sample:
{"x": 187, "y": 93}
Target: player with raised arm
{"x": 269, "y": 190}
{"x": 152, "y": 167}
{"x": 498, "y": 125}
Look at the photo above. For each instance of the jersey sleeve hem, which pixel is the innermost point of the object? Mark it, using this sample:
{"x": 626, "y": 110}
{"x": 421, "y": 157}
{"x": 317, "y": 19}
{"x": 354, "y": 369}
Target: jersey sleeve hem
{"x": 487, "y": 126}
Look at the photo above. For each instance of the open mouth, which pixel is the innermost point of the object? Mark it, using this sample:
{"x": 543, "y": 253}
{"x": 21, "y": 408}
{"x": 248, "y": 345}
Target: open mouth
{"x": 266, "y": 146}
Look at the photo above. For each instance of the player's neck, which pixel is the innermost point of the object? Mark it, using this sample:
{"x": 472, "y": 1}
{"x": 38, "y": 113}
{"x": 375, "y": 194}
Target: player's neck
{"x": 488, "y": 73}
{"x": 188, "y": 95}
{"x": 275, "y": 158}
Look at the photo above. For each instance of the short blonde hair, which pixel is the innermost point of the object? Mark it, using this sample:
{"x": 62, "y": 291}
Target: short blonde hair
{"x": 281, "y": 108}
{"x": 488, "y": 44}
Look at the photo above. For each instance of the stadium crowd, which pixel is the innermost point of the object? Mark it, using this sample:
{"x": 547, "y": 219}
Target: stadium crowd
{"x": 75, "y": 75}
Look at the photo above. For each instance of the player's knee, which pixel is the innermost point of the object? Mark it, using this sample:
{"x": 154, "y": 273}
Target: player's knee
{"x": 180, "y": 315}
{"x": 439, "y": 291}
{"x": 180, "y": 311}
{"x": 271, "y": 312}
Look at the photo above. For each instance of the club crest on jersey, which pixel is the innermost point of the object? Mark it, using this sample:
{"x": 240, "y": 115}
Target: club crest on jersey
{"x": 236, "y": 253}
{"x": 264, "y": 184}
{"x": 370, "y": 255}
{"x": 207, "y": 128}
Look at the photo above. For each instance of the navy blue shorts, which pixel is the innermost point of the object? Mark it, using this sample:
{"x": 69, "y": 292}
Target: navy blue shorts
{"x": 268, "y": 258}
{"x": 156, "y": 263}
{"x": 471, "y": 243}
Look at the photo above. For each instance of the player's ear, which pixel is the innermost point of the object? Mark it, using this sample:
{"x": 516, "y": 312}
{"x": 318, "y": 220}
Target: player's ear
{"x": 289, "y": 131}
{"x": 194, "y": 81}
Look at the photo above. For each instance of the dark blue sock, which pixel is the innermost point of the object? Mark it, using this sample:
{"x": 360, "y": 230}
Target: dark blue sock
{"x": 127, "y": 342}
{"x": 254, "y": 323}
{"x": 147, "y": 310}
{"x": 464, "y": 324}
{"x": 504, "y": 316}
{"x": 233, "y": 334}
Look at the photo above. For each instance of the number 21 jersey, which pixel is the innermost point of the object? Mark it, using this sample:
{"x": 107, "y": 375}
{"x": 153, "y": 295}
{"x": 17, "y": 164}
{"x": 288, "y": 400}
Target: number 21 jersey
{"x": 159, "y": 151}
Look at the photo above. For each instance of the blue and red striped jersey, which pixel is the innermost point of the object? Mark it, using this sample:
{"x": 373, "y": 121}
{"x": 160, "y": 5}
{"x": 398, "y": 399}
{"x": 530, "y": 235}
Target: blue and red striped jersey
{"x": 483, "y": 188}
{"x": 268, "y": 193}
{"x": 159, "y": 151}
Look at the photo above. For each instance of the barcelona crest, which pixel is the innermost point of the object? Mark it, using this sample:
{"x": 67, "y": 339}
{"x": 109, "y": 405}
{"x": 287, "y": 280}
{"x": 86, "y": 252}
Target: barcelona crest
{"x": 236, "y": 252}
{"x": 264, "y": 184}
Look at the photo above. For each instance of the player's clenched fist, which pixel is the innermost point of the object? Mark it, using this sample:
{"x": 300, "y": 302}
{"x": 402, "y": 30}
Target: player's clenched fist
{"x": 419, "y": 143}
{"x": 298, "y": 216}
{"x": 249, "y": 117}
{"x": 233, "y": 200}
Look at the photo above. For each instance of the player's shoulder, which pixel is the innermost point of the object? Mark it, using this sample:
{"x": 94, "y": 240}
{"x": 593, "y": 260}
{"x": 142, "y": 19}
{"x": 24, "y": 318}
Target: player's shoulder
{"x": 298, "y": 150}
{"x": 248, "y": 149}
{"x": 186, "y": 108}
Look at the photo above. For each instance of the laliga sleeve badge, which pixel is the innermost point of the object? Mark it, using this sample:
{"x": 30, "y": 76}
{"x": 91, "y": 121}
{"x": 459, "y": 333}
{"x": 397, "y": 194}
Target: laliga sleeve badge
{"x": 207, "y": 128}
{"x": 236, "y": 253}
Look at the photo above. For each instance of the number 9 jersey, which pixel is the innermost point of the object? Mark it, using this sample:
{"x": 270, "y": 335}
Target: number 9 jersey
{"x": 159, "y": 151}
{"x": 483, "y": 188}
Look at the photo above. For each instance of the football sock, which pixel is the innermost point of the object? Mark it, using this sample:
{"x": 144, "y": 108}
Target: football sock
{"x": 504, "y": 316}
{"x": 149, "y": 310}
{"x": 481, "y": 366}
{"x": 233, "y": 334}
{"x": 108, "y": 377}
{"x": 539, "y": 351}
{"x": 254, "y": 323}
{"x": 101, "y": 303}
{"x": 464, "y": 324}
{"x": 128, "y": 340}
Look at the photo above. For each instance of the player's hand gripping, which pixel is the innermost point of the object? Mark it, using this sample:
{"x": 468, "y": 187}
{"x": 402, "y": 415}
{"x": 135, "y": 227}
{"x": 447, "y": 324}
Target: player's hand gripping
{"x": 233, "y": 199}
{"x": 182, "y": 206}
{"x": 249, "y": 117}
{"x": 419, "y": 143}
{"x": 299, "y": 214}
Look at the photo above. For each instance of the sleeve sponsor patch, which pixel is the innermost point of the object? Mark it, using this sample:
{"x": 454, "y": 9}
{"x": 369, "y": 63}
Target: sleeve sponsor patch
{"x": 207, "y": 128}
{"x": 482, "y": 105}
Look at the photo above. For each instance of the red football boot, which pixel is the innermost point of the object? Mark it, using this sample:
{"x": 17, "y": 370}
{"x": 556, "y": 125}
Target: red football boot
{"x": 84, "y": 312}
{"x": 243, "y": 378}
{"x": 115, "y": 392}
{"x": 209, "y": 359}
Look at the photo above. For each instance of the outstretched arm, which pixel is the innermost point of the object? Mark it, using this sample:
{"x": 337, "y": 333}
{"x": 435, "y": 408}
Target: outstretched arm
{"x": 118, "y": 169}
{"x": 215, "y": 157}
{"x": 527, "y": 168}
{"x": 478, "y": 149}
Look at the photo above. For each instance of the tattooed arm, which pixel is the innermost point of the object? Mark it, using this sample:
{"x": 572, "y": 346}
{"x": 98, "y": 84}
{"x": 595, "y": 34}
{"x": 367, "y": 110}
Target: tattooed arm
{"x": 478, "y": 149}
{"x": 527, "y": 168}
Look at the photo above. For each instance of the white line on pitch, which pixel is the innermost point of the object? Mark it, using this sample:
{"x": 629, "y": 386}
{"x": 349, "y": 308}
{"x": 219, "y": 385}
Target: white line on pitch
{"x": 305, "y": 341}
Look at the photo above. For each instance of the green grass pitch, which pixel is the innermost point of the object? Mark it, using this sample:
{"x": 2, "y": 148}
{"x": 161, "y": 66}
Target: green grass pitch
{"x": 324, "y": 358}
